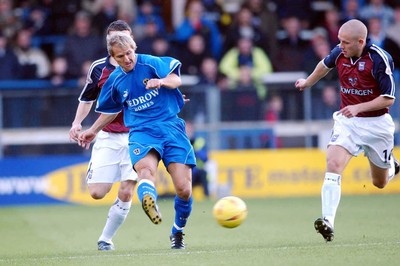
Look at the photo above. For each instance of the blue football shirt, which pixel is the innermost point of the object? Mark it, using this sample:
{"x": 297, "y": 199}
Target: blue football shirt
{"x": 127, "y": 90}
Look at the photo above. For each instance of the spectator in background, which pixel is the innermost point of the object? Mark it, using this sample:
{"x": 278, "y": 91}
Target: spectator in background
{"x": 375, "y": 31}
{"x": 208, "y": 77}
{"x": 127, "y": 9}
{"x": 10, "y": 67}
{"x": 343, "y": 3}
{"x": 195, "y": 23}
{"x": 59, "y": 67}
{"x": 301, "y": 9}
{"x": 246, "y": 103}
{"x": 107, "y": 13}
{"x": 213, "y": 11}
{"x": 265, "y": 19}
{"x": 273, "y": 112}
{"x": 85, "y": 68}
{"x": 392, "y": 46}
{"x": 290, "y": 55}
{"x": 243, "y": 27}
{"x": 240, "y": 102}
{"x": 330, "y": 102}
{"x": 147, "y": 13}
{"x": 162, "y": 47}
{"x": 350, "y": 10}
{"x": 331, "y": 23}
{"x": 34, "y": 62}
{"x": 318, "y": 50}
{"x": 10, "y": 23}
{"x": 392, "y": 42}
{"x": 379, "y": 9}
{"x": 208, "y": 71}
{"x": 273, "y": 108}
{"x": 38, "y": 21}
{"x": 245, "y": 54}
{"x": 62, "y": 14}
{"x": 149, "y": 32}
{"x": 194, "y": 54}
{"x": 81, "y": 44}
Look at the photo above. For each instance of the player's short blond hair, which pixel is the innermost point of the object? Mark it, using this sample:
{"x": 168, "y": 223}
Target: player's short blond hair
{"x": 120, "y": 39}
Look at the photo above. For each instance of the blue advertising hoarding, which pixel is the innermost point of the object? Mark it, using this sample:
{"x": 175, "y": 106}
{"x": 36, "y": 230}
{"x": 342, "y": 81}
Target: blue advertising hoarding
{"x": 37, "y": 180}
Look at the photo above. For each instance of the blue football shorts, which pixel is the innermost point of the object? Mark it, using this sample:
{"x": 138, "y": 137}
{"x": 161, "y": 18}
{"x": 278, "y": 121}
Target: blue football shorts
{"x": 168, "y": 138}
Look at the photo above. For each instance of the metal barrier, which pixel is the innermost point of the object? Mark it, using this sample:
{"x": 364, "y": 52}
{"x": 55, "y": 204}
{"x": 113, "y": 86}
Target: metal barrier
{"x": 35, "y": 113}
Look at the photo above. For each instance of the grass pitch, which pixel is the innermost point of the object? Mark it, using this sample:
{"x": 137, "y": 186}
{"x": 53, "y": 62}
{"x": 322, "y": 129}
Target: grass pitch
{"x": 276, "y": 232}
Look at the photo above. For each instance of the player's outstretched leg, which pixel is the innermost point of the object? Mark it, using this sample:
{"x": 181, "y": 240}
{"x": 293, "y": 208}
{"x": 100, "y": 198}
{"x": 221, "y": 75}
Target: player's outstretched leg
{"x": 148, "y": 197}
{"x": 324, "y": 227}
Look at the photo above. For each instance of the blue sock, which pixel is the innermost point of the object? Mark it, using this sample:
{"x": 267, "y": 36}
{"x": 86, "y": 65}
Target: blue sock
{"x": 146, "y": 187}
{"x": 183, "y": 209}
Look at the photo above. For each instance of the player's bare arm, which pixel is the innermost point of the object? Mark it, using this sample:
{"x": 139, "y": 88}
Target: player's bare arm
{"x": 319, "y": 72}
{"x": 87, "y": 136}
{"x": 376, "y": 104}
{"x": 81, "y": 112}
{"x": 172, "y": 81}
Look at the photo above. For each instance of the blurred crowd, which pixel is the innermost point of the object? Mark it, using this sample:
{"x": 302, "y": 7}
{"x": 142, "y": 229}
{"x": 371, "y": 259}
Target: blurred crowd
{"x": 229, "y": 44}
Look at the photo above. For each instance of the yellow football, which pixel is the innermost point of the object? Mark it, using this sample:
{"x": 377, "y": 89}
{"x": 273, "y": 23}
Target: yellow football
{"x": 230, "y": 211}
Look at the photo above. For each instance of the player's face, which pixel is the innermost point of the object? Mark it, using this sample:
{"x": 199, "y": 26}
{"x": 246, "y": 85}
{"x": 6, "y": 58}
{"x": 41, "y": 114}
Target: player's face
{"x": 124, "y": 56}
{"x": 350, "y": 46}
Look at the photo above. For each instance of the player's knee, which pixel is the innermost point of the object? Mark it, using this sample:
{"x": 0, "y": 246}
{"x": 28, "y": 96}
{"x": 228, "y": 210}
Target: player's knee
{"x": 147, "y": 173}
{"x": 184, "y": 192}
{"x": 333, "y": 165}
{"x": 97, "y": 195}
{"x": 126, "y": 190}
{"x": 98, "y": 191}
{"x": 125, "y": 194}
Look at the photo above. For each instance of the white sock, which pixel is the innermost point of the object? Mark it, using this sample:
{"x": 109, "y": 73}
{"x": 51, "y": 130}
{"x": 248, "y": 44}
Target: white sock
{"x": 116, "y": 217}
{"x": 330, "y": 196}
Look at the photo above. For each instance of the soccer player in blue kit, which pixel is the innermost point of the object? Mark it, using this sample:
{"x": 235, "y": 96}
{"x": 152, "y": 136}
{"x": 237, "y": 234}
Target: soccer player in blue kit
{"x": 363, "y": 123}
{"x": 145, "y": 87}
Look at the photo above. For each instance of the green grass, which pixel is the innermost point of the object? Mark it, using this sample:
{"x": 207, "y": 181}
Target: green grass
{"x": 276, "y": 232}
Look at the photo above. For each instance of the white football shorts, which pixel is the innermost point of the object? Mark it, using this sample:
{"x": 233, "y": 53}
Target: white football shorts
{"x": 373, "y": 135}
{"x": 110, "y": 161}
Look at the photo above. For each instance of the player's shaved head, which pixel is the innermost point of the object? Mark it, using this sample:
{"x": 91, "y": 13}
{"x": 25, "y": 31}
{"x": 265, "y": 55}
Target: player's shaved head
{"x": 354, "y": 28}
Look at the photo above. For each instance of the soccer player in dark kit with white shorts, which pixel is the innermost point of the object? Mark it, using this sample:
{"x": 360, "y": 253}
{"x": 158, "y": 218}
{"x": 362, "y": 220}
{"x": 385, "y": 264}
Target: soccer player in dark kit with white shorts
{"x": 109, "y": 162}
{"x": 363, "y": 123}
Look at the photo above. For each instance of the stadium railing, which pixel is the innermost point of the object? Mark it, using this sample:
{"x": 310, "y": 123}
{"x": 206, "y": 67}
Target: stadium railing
{"x": 60, "y": 105}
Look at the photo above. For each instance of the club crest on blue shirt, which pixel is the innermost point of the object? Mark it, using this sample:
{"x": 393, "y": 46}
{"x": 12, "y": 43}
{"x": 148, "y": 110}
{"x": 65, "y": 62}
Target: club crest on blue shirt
{"x": 136, "y": 151}
{"x": 361, "y": 66}
{"x": 145, "y": 81}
